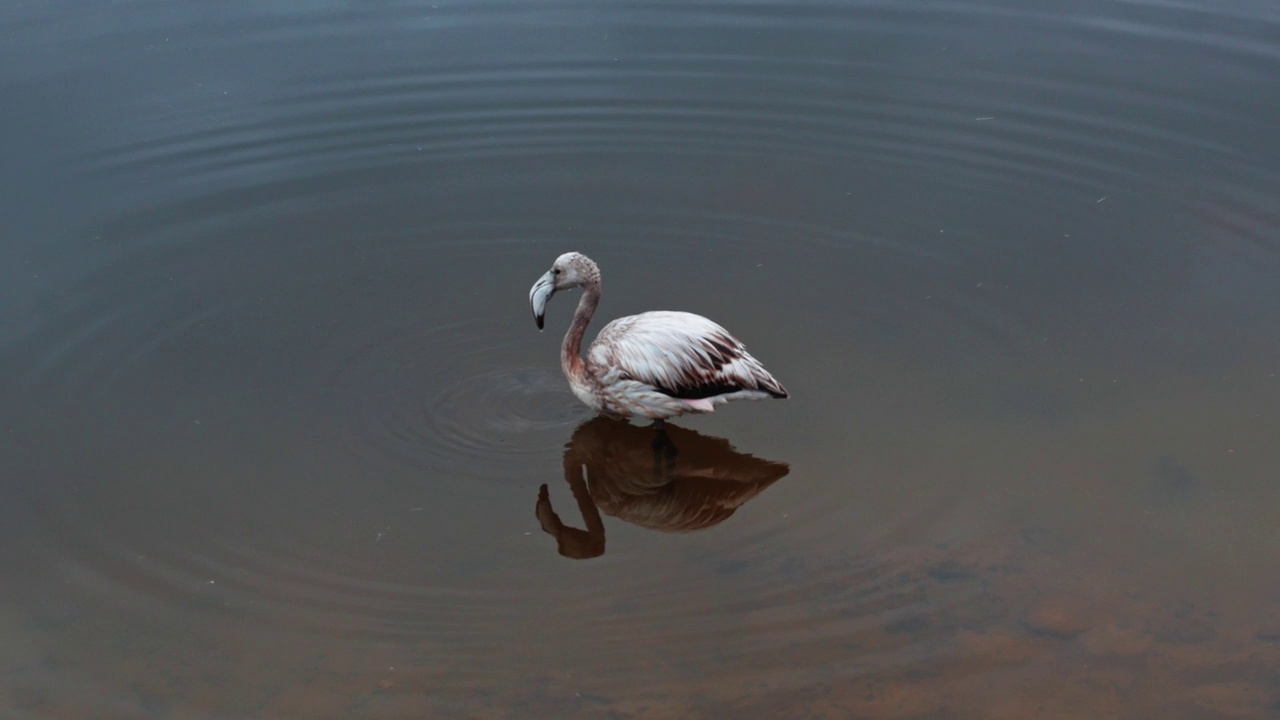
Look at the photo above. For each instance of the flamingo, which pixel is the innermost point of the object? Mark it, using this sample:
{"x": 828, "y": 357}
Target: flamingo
{"x": 655, "y": 365}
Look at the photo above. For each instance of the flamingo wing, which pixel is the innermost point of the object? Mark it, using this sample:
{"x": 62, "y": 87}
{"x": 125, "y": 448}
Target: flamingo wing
{"x": 681, "y": 355}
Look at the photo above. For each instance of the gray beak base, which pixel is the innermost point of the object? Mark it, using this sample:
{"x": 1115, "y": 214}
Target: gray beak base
{"x": 539, "y": 294}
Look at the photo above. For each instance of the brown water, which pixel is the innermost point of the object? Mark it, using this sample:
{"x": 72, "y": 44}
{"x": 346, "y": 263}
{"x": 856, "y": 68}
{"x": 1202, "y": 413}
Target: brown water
{"x": 275, "y": 420}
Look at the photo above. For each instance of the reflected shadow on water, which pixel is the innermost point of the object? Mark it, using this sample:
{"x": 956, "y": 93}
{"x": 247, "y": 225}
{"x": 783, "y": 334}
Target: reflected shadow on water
{"x": 671, "y": 480}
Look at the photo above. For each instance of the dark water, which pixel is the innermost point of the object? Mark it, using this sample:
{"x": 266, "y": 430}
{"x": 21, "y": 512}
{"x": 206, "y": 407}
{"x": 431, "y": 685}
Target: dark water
{"x": 274, "y": 417}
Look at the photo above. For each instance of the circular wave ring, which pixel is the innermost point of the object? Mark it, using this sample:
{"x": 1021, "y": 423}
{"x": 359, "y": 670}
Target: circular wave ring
{"x": 425, "y": 399}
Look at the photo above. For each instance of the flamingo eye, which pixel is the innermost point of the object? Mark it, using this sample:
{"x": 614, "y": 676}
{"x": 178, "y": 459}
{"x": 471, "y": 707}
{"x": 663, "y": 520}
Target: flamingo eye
{"x": 555, "y": 271}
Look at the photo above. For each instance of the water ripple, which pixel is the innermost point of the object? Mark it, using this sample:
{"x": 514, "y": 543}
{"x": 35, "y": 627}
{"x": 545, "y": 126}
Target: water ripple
{"x": 729, "y": 106}
{"x": 477, "y": 421}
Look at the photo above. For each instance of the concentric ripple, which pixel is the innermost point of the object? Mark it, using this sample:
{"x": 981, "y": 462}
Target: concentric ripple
{"x": 428, "y": 398}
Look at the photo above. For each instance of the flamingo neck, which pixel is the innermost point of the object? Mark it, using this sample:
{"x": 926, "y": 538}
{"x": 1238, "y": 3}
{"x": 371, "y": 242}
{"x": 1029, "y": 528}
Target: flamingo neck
{"x": 570, "y": 352}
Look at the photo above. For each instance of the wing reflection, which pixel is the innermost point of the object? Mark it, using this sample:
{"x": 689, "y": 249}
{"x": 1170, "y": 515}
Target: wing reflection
{"x": 675, "y": 480}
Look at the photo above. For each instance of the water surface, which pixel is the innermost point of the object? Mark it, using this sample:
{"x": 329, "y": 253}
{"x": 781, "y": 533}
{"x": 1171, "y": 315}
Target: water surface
{"x": 276, "y": 421}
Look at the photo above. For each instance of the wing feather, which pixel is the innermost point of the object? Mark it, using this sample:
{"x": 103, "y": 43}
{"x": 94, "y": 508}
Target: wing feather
{"x": 679, "y": 354}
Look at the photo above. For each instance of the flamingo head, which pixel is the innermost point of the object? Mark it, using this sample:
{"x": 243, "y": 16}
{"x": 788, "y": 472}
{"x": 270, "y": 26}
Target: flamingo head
{"x": 570, "y": 270}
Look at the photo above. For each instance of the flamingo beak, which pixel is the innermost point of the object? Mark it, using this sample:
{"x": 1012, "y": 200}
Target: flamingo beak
{"x": 539, "y": 294}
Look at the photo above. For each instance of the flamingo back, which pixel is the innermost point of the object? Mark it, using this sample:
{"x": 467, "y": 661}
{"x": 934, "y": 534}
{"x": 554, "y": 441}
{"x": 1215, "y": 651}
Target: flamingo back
{"x": 681, "y": 355}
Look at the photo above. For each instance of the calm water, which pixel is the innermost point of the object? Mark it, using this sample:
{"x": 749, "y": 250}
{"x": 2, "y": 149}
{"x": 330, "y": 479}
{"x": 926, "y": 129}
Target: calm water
{"x": 275, "y": 420}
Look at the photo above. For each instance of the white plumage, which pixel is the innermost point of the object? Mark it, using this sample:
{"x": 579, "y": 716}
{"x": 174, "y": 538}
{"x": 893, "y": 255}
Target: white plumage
{"x": 653, "y": 365}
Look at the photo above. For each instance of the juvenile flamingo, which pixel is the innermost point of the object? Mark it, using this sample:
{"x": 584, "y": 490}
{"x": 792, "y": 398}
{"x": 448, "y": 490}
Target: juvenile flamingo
{"x": 654, "y": 365}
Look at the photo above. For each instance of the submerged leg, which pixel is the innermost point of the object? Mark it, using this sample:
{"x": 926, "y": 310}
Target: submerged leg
{"x": 664, "y": 452}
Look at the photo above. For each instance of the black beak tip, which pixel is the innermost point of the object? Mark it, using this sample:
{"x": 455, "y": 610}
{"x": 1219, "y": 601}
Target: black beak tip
{"x": 538, "y": 320}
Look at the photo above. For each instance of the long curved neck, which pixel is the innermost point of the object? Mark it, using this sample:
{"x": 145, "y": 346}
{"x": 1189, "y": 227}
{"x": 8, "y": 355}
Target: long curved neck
{"x": 571, "y": 349}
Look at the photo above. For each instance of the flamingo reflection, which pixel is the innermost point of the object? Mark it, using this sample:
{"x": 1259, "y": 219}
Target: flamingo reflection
{"x": 681, "y": 482}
